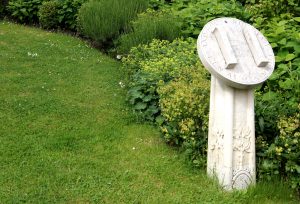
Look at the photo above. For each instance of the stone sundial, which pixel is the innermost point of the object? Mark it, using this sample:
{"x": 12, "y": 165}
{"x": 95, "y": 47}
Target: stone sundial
{"x": 239, "y": 58}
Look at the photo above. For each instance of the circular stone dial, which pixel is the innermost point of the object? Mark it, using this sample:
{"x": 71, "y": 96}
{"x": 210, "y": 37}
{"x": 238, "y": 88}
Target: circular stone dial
{"x": 235, "y": 52}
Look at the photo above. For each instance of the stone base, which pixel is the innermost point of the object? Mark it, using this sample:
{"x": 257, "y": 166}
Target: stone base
{"x": 231, "y": 138}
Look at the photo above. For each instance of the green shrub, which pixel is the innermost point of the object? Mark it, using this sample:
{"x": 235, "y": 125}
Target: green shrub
{"x": 104, "y": 20}
{"x": 168, "y": 85}
{"x": 278, "y": 99}
{"x": 48, "y": 14}
{"x": 195, "y": 14}
{"x": 270, "y": 8}
{"x": 282, "y": 157}
{"x": 146, "y": 65}
{"x": 68, "y": 13}
{"x": 288, "y": 147}
{"x": 158, "y": 4}
{"x": 3, "y": 4}
{"x": 2, "y": 8}
{"x": 280, "y": 93}
{"x": 148, "y": 26}
{"x": 24, "y": 11}
{"x": 184, "y": 105}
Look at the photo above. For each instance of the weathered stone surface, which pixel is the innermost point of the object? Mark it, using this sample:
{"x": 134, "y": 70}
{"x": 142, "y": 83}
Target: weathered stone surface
{"x": 239, "y": 58}
{"x": 235, "y": 52}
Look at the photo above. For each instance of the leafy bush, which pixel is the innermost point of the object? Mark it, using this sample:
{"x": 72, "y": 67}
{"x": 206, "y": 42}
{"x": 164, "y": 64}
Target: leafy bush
{"x": 158, "y": 4}
{"x": 167, "y": 85}
{"x": 270, "y": 8}
{"x": 283, "y": 155}
{"x": 288, "y": 147}
{"x": 3, "y": 4}
{"x": 2, "y": 8}
{"x": 24, "y": 11}
{"x": 184, "y": 106}
{"x": 148, "y": 26}
{"x": 146, "y": 65}
{"x": 195, "y": 14}
{"x": 48, "y": 14}
{"x": 279, "y": 95}
{"x": 104, "y": 20}
{"x": 68, "y": 13}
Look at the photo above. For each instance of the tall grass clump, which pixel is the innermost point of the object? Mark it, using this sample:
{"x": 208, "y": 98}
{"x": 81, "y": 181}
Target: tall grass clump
{"x": 105, "y": 20}
{"x": 148, "y": 26}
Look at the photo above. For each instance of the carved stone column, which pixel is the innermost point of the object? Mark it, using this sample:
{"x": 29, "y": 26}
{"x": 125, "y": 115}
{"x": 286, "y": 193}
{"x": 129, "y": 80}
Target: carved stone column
{"x": 239, "y": 58}
{"x": 231, "y": 139}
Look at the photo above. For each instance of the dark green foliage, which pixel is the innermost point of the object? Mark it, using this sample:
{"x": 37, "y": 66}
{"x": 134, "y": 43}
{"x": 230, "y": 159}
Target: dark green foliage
{"x": 147, "y": 66}
{"x": 195, "y": 14}
{"x": 148, "y": 26}
{"x": 48, "y": 14}
{"x": 158, "y": 4}
{"x": 278, "y": 101}
{"x": 24, "y": 11}
{"x": 3, "y": 4}
{"x": 168, "y": 86}
{"x": 143, "y": 96}
{"x": 2, "y": 8}
{"x": 67, "y": 14}
{"x": 104, "y": 20}
{"x": 270, "y": 8}
{"x": 60, "y": 13}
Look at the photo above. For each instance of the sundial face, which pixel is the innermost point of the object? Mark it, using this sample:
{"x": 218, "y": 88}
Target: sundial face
{"x": 235, "y": 52}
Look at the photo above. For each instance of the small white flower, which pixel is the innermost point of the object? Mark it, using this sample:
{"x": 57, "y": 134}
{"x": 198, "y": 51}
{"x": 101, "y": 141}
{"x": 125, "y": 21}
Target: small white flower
{"x": 32, "y": 54}
{"x": 133, "y": 148}
{"x": 119, "y": 57}
{"x": 121, "y": 84}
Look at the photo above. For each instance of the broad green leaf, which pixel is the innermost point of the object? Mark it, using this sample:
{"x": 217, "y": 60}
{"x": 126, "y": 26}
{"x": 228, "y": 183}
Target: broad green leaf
{"x": 274, "y": 45}
{"x": 279, "y": 30}
{"x": 261, "y": 123}
{"x": 297, "y": 19}
{"x": 23, "y": 10}
{"x": 283, "y": 41}
{"x": 160, "y": 120}
{"x": 269, "y": 96}
{"x": 297, "y": 167}
{"x": 289, "y": 57}
{"x": 148, "y": 98}
{"x": 140, "y": 106}
{"x": 278, "y": 59}
{"x": 287, "y": 84}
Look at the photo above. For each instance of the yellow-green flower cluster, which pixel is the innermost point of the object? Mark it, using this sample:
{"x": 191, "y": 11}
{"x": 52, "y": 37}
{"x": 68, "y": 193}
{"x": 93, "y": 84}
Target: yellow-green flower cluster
{"x": 184, "y": 105}
{"x": 288, "y": 146}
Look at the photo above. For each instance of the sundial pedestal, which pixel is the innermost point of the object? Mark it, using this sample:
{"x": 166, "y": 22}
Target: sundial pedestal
{"x": 231, "y": 137}
{"x": 239, "y": 58}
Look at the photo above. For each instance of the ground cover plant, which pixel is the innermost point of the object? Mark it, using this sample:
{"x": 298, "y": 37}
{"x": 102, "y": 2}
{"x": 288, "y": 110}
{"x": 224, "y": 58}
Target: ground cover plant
{"x": 66, "y": 135}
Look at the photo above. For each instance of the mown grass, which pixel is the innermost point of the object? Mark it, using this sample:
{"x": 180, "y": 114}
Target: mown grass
{"x": 66, "y": 135}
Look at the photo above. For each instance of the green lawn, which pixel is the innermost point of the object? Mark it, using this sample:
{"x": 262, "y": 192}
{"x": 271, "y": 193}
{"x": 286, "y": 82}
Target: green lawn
{"x": 67, "y": 136}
